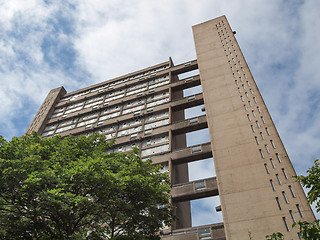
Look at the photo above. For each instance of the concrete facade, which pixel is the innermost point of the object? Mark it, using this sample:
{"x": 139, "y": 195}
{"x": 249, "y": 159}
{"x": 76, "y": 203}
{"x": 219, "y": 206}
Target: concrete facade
{"x": 147, "y": 109}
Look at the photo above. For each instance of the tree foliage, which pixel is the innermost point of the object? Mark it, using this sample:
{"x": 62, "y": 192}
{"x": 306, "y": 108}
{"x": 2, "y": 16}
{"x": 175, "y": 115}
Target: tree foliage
{"x": 312, "y": 182}
{"x": 70, "y": 188}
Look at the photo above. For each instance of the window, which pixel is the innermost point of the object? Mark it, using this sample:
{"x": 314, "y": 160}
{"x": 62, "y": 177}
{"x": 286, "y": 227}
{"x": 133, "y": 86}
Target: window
{"x": 299, "y": 210}
{"x": 245, "y": 107}
{"x": 291, "y": 190}
{"x": 284, "y": 173}
{"x": 262, "y": 119}
{"x": 267, "y": 149}
{"x": 248, "y": 116}
{"x": 267, "y": 131}
{"x": 256, "y": 140}
{"x": 285, "y": 197}
{"x": 278, "y": 157}
{"x": 236, "y": 82}
{"x": 277, "y": 176}
{"x": 239, "y": 90}
{"x": 272, "y": 144}
{"x": 250, "y": 104}
{"x": 255, "y": 100}
{"x": 246, "y": 94}
{"x": 261, "y": 153}
{"x": 252, "y": 128}
{"x": 261, "y": 135}
{"x": 254, "y": 115}
{"x": 271, "y": 161}
{"x": 266, "y": 167}
{"x": 292, "y": 217}
{"x": 272, "y": 186}
{"x": 258, "y": 125}
{"x": 285, "y": 223}
{"x": 242, "y": 99}
{"x": 258, "y": 110}
{"x": 248, "y": 83}
{"x": 278, "y": 202}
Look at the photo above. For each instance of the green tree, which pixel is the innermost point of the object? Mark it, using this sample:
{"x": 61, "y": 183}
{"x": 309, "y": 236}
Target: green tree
{"x": 70, "y": 188}
{"x": 312, "y": 182}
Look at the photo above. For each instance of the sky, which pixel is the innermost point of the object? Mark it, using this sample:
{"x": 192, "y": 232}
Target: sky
{"x": 46, "y": 44}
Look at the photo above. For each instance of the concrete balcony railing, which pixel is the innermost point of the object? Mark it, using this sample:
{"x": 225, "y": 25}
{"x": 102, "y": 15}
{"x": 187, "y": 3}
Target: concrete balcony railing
{"x": 194, "y": 190}
{"x": 207, "y": 232}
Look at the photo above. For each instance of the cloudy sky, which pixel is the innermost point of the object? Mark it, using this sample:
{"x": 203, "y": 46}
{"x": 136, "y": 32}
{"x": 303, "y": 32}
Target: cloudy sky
{"x": 46, "y": 44}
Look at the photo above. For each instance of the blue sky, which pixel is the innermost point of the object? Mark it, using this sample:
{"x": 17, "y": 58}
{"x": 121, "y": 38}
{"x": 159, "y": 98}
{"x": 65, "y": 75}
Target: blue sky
{"x": 47, "y": 44}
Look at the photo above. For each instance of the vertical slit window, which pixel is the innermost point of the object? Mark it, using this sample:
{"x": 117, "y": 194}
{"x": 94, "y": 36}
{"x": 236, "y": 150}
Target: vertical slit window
{"x": 267, "y": 131}
{"x": 238, "y": 72}
{"x": 255, "y": 100}
{"x": 245, "y": 76}
{"x": 292, "y": 217}
{"x": 261, "y": 153}
{"x": 240, "y": 79}
{"x": 253, "y": 114}
{"x": 246, "y": 94}
{"x": 262, "y": 119}
{"x": 234, "y": 76}
{"x": 256, "y": 140}
{"x": 236, "y": 82}
{"x": 285, "y": 197}
{"x": 299, "y": 210}
{"x": 278, "y": 202}
{"x": 239, "y": 90}
{"x": 251, "y": 91}
{"x": 266, "y": 167}
{"x": 272, "y": 144}
{"x": 252, "y": 128}
{"x": 278, "y": 157}
{"x": 262, "y": 137}
{"x": 285, "y": 223}
{"x": 278, "y": 178}
{"x": 272, "y": 163}
{"x": 248, "y": 116}
{"x": 244, "y": 88}
{"x": 242, "y": 99}
{"x": 267, "y": 149}
{"x": 242, "y": 69}
{"x": 258, "y": 125}
{"x": 245, "y": 107}
{"x": 284, "y": 173}
{"x": 250, "y": 103}
{"x": 259, "y": 111}
{"x": 272, "y": 186}
{"x": 299, "y": 236}
{"x": 237, "y": 57}
{"x": 248, "y": 83}
{"x": 291, "y": 190}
